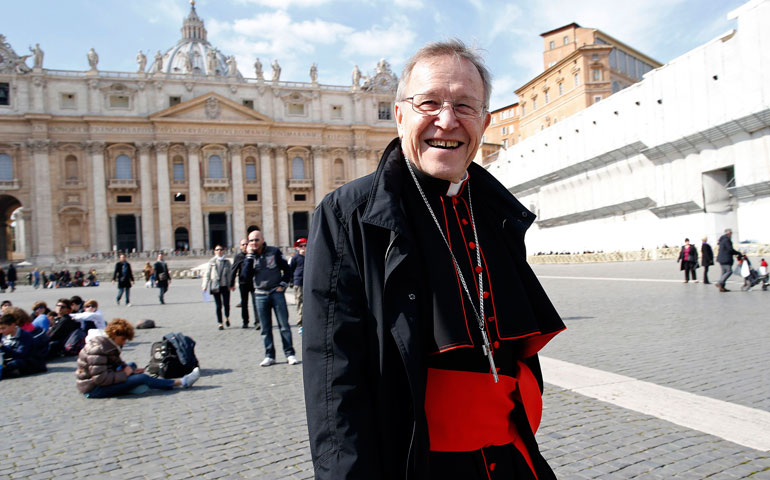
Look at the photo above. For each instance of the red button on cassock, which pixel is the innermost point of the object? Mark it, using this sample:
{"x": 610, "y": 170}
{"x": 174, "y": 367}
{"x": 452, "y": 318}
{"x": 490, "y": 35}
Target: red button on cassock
{"x": 492, "y": 467}
{"x": 497, "y": 344}
{"x": 454, "y": 201}
{"x": 464, "y": 221}
{"x": 472, "y": 245}
{"x": 478, "y": 269}
{"x": 486, "y": 294}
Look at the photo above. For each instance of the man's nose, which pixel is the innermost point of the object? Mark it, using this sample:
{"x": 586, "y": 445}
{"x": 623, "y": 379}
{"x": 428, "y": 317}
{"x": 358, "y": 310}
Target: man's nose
{"x": 446, "y": 118}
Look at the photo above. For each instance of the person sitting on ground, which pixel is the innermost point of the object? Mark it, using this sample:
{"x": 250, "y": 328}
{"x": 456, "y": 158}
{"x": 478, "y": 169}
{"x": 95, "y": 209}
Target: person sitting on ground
{"x": 61, "y": 328}
{"x": 40, "y": 311}
{"x": 23, "y": 320}
{"x": 101, "y": 373}
{"x": 19, "y": 356}
{"x": 4, "y": 306}
{"x": 76, "y": 305}
{"x": 92, "y": 317}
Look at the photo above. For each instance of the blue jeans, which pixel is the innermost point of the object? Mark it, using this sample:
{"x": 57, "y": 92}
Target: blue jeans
{"x": 128, "y": 293}
{"x": 263, "y": 304}
{"x": 727, "y": 270}
{"x": 131, "y": 383}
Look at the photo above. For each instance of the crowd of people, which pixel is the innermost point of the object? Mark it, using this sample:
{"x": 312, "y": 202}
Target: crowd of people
{"x": 61, "y": 279}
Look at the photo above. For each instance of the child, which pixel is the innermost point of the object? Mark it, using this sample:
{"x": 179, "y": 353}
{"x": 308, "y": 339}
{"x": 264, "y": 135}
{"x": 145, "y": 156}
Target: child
{"x": 19, "y": 356}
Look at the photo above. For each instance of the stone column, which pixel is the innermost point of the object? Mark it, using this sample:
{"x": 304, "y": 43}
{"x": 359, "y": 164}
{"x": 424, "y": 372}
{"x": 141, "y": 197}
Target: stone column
{"x": 229, "y": 229}
{"x": 282, "y": 187}
{"x": 319, "y": 173}
{"x": 238, "y": 230}
{"x": 266, "y": 179}
{"x": 196, "y": 217}
{"x": 43, "y": 215}
{"x": 114, "y": 231}
{"x": 164, "y": 197}
{"x": 361, "y": 161}
{"x": 139, "y": 242}
{"x": 148, "y": 211}
{"x": 206, "y": 230}
{"x": 101, "y": 232}
{"x": 26, "y": 215}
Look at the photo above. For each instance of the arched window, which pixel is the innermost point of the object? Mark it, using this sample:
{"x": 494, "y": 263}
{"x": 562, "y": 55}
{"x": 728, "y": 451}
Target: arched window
{"x": 73, "y": 228}
{"x": 339, "y": 170}
{"x": 215, "y": 167}
{"x": 123, "y": 169}
{"x": 298, "y": 168}
{"x": 250, "y": 170}
{"x": 178, "y": 168}
{"x": 71, "y": 168}
{"x": 6, "y": 167}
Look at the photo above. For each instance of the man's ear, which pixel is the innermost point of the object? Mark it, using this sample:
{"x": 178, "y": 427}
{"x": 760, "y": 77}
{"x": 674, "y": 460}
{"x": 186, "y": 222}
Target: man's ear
{"x": 399, "y": 113}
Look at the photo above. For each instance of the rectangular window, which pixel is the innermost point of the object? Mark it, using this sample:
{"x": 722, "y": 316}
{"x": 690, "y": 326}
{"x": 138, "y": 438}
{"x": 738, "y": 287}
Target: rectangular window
{"x": 119, "y": 101}
{"x": 296, "y": 109}
{"x": 566, "y": 40}
{"x": 551, "y": 45}
{"x": 383, "y": 111}
{"x": 505, "y": 143}
{"x": 251, "y": 171}
{"x": 300, "y": 197}
{"x": 180, "y": 197}
{"x": 577, "y": 79}
{"x": 179, "y": 171}
{"x": 523, "y": 110}
{"x": 337, "y": 112}
{"x": 67, "y": 100}
{"x": 174, "y": 101}
{"x": 123, "y": 199}
{"x": 252, "y": 197}
{"x": 597, "y": 98}
{"x": 249, "y": 104}
{"x": 504, "y": 131}
{"x": 534, "y": 104}
{"x": 547, "y": 97}
{"x": 596, "y": 74}
{"x": 561, "y": 89}
{"x": 5, "y": 93}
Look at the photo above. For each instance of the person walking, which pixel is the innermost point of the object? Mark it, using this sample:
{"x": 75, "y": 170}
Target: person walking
{"x": 162, "y": 277}
{"x": 271, "y": 277}
{"x": 217, "y": 282}
{"x": 242, "y": 273}
{"x": 725, "y": 259}
{"x": 706, "y": 259}
{"x": 297, "y": 267}
{"x": 12, "y": 277}
{"x": 688, "y": 258}
{"x": 125, "y": 278}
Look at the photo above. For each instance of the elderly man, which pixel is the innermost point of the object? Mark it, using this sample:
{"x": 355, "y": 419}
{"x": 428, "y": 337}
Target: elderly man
{"x": 422, "y": 318}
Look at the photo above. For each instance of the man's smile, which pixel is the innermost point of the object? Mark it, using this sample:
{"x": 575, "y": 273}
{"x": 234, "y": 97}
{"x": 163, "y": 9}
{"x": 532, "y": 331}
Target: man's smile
{"x": 445, "y": 144}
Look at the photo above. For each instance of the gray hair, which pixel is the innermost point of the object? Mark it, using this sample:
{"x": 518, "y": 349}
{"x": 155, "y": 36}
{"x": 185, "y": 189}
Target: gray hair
{"x": 727, "y": 230}
{"x": 452, "y": 47}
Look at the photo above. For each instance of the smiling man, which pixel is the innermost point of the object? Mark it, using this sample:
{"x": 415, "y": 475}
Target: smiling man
{"x": 422, "y": 318}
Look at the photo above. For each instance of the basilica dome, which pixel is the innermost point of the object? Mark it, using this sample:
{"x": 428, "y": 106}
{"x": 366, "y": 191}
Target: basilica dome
{"x": 193, "y": 54}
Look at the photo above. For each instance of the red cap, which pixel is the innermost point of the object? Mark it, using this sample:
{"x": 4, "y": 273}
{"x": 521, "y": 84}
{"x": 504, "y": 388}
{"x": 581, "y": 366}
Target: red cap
{"x": 300, "y": 242}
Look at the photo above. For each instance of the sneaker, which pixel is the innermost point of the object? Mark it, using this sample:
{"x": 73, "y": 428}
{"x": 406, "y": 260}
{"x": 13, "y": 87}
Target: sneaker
{"x": 128, "y": 304}
{"x": 292, "y": 360}
{"x": 267, "y": 362}
{"x": 192, "y": 377}
{"x": 221, "y": 327}
{"x": 227, "y": 322}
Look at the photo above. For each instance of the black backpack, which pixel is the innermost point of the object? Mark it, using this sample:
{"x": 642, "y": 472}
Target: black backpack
{"x": 173, "y": 357}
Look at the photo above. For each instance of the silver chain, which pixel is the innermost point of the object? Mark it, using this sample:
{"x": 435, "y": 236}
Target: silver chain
{"x": 478, "y": 313}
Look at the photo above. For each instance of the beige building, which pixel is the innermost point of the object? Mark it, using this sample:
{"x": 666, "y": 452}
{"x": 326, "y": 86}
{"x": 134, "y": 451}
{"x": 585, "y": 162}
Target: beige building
{"x": 502, "y": 133}
{"x": 582, "y": 66}
{"x": 184, "y": 153}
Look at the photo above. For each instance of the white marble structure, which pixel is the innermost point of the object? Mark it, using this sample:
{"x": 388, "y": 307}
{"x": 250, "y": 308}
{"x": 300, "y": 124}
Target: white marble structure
{"x": 182, "y": 154}
{"x": 684, "y": 153}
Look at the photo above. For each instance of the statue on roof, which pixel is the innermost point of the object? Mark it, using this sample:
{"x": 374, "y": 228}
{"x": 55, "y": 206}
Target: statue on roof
{"x": 258, "y": 70}
{"x": 141, "y": 61}
{"x": 314, "y": 73}
{"x": 276, "y": 71}
{"x": 93, "y": 59}
{"x": 37, "y": 53}
{"x": 356, "y": 77}
{"x": 157, "y": 66}
{"x": 232, "y": 66}
{"x": 188, "y": 62}
{"x": 212, "y": 62}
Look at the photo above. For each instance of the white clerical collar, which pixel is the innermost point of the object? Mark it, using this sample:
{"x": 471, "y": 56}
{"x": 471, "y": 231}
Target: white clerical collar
{"x": 454, "y": 188}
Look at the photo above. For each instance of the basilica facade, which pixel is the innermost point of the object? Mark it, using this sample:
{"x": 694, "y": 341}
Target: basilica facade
{"x": 183, "y": 154}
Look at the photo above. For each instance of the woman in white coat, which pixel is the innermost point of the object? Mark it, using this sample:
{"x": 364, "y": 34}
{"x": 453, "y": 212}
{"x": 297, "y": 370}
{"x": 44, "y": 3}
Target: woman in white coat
{"x": 216, "y": 281}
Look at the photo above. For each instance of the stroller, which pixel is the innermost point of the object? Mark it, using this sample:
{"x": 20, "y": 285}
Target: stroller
{"x": 751, "y": 276}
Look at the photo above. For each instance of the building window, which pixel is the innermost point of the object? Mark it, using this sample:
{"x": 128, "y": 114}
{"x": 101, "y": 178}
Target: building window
{"x": 523, "y": 110}
{"x": 123, "y": 170}
{"x": 179, "y": 168}
{"x": 215, "y": 167}
{"x": 67, "y": 100}
{"x": 561, "y": 89}
{"x": 547, "y": 97}
{"x": 596, "y": 74}
{"x": 180, "y": 197}
{"x": 296, "y": 109}
{"x": 298, "y": 168}
{"x": 174, "y": 101}
{"x": 505, "y": 143}
{"x": 300, "y": 197}
{"x": 503, "y": 130}
{"x": 6, "y": 167}
{"x": 339, "y": 170}
{"x": 577, "y": 79}
{"x": 383, "y": 111}
{"x": 123, "y": 199}
{"x": 597, "y": 98}
{"x": 337, "y": 112}
{"x": 250, "y": 169}
{"x": 566, "y": 40}
{"x": 71, "y": 169}
{"x": 74, "y": 230}
{"x": 119, "y": 101}
{"x": 534, "y": 104}
{"x": 5, "y": 93}
{"x": 551, "y": 45}
{"x": 252, "y": 197}
{"x": 249, "y": 104}
{"x": 595, "y": 57}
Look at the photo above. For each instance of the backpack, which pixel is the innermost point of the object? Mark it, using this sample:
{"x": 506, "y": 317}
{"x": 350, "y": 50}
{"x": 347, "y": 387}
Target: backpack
{"x": 75, "y": 342}
{"x": 172, "y": 357}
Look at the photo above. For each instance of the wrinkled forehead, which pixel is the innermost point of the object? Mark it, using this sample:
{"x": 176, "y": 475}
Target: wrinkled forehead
{"x": 446, "y": 73}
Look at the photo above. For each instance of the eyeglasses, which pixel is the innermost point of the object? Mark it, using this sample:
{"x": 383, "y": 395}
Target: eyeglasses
{"x": 59, "y": 305}
{"x": 432, "y": 105}
{"x": 217, "y": 249}
{"x": 253, "y": 240}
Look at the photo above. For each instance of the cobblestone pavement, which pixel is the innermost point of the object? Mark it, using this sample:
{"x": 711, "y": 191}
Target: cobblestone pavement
{"x": 243, "y": 421}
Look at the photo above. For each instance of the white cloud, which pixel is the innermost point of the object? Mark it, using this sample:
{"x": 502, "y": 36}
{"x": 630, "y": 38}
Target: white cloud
{"x": 393, "y": 42}
{"x": 502, "y": 91}
{"x": 412, "y": 4}
{"x": 285, "y": 3}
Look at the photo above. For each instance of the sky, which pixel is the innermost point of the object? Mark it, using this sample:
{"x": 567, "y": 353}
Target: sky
{"x": 338, "y": 34}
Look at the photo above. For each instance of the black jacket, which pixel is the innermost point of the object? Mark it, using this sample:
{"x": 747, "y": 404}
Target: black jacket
{"x": 161, "y": 267}
{"x": 364, "y": 373}
{"x": 726, "y": 250}
{"x": 692, "y": 256}
{"x": 706, "y": 255}
{"x": 124, "y": 281}
{"x": 269, "y": 269}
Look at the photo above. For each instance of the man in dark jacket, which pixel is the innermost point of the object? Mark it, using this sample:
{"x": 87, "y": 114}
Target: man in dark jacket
{"x": 725, "y": 259}
{"x": 162, "y": 277}
{"x": 270, "y": 273}
{"x": 422, "y": 319}
{"x": 18, "y": 347}
{"x": 12, "y": 277}
{"x": 245, "y": 283}
{"x": 297, "y": 266}
{"x": 706, "y": 259}
{"x": 124, "y": 277}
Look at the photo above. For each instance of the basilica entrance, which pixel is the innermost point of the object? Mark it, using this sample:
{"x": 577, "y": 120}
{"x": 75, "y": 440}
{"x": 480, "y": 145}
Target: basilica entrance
{"x": 218, "y": 230}
{"x": 9, "y": 226}
{"x": 300, "y": 222}
{"x": 181, "y": 239}
{"x": 125, "y": 233}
